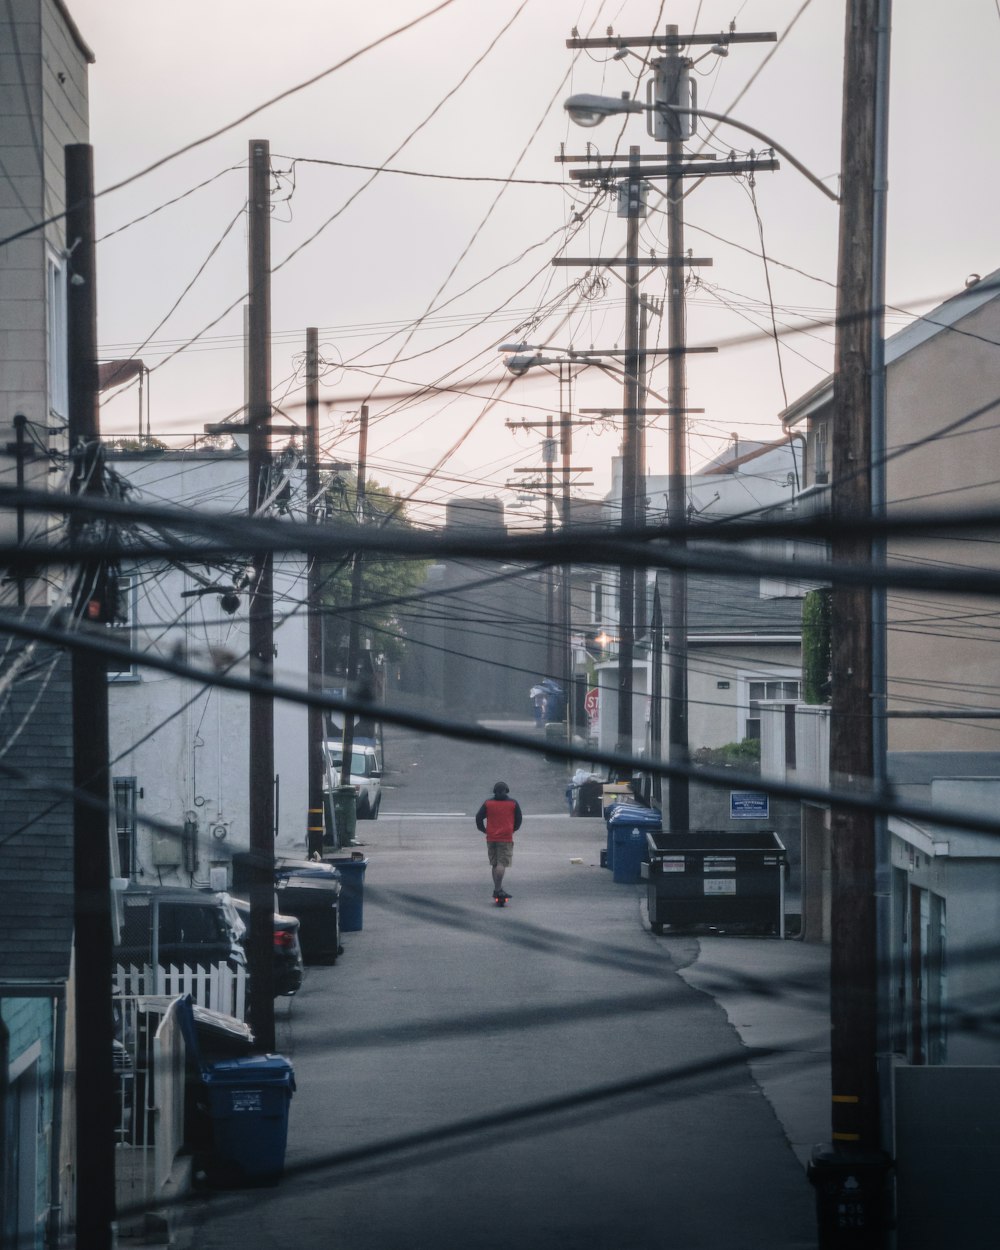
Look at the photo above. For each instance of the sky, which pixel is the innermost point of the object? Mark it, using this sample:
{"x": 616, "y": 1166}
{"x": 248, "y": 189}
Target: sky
{"x": 414, "y": 279}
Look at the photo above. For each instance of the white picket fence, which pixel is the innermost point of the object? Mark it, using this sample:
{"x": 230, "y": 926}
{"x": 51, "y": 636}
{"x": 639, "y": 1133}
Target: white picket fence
{"x": 169, "y": 1066}
{"x": 217, "y": 987}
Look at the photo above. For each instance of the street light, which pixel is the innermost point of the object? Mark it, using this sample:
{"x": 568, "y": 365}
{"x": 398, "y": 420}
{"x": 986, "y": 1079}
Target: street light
{"x": 590, "y": 110}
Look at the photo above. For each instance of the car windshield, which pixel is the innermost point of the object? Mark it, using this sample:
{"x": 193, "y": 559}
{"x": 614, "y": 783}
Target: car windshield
{"x": 357, "y": 762}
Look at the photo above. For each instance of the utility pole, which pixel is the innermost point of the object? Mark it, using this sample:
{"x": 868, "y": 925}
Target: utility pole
{"x": 559, "y": 647}
{"x": 353, "y": 633}
{"x": 857, "y": 1162}
{"x": 634, "y": 192}
{"x": 671, "y": 91}
{"x": 314, "y": 731}
{"x": 95, "y": 1100}
{"x": 672, "y": 88}
{"x": 261, "y": 622}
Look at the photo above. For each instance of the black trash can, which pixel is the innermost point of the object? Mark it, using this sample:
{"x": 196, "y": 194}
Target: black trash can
{"x": 588, "y": 799}
{"x": 852, "y": 1198}
{"x": 311, "y": 891}
{"x": 248, "y": 1103}
{"x": 715, "y": 878}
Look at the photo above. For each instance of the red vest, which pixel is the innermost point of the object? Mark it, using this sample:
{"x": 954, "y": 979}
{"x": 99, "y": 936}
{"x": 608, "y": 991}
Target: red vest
{"x": 499, "y": 820}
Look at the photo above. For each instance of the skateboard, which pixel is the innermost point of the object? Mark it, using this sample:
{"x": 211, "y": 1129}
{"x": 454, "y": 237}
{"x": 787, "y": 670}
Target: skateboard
{"x": 500, "y": 897}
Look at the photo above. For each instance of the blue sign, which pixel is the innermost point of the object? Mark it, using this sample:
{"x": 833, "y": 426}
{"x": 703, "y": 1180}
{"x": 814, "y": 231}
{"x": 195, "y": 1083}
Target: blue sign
{"x": 748, "y": 805}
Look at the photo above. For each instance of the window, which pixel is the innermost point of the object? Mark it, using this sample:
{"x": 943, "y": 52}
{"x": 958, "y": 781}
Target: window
{"x": 123, "y": 631}
{"x": 760, "y": 690}
{"x": 124, "y": 795}
{"x": 58, "y": 373}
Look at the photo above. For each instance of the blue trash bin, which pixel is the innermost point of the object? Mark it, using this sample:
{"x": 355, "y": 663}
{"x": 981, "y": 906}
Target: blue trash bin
{"x": 352, "y": 893}
{"x": 628, "y": 825}
{"x": 248, "y": 1102}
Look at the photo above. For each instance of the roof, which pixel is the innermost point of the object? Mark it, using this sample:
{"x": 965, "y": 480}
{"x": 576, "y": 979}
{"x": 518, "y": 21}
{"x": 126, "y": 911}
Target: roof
{"x": 74, "y": 30}
{"x": 732, "y": 606}
{"x": 921, "y": 330}
{"x": 36, "y": 835}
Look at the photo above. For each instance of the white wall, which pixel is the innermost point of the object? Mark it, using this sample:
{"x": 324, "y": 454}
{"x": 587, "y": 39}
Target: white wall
{"x": 195, "y": 766}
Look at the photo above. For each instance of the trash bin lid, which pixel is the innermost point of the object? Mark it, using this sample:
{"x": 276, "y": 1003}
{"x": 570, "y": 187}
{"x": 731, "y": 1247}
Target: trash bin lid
{"x": 250, "y": 1070}
{"x": 306, "y": 868}
{"x": 632, "y": 814}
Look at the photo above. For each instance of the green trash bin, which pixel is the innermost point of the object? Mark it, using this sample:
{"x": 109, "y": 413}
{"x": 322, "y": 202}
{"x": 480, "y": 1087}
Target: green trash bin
{"x": 345, "y": 814}
{"x": 248, "y": 1101}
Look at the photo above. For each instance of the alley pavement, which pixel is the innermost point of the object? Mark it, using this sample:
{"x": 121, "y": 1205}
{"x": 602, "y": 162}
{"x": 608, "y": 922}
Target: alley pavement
{"x": 550, "y": 1074}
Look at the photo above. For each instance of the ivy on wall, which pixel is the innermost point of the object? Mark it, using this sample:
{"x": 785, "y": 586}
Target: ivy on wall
{"x": 816, "y": 661}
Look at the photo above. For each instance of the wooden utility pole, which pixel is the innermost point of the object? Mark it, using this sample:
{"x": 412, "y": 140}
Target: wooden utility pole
{"x": 315, "y": 734}
{"x": 634, "y": 191}
{"x": 853, "y": 1004}
{"x": 671, "y": 91}
{"x": 95, "y": 1085}
{"x": 354, "y": 625}
{"x": 673, "y": 70}
{"x": 852, "y": 1197}
{"x": 261, "y": 785}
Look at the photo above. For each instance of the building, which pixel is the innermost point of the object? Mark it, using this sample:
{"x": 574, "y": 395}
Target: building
{"x": 180, "y": 749}
{"x": 943, "y": 455}
{"x": 743, "y": 635}
{"x": 43, "y": 85}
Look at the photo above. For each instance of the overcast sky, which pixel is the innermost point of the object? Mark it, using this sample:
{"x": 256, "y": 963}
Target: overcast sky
{"x": 470, "y": 255}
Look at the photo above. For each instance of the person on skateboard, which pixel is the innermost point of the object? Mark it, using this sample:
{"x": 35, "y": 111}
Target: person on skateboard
{"x": 499, "y": 818}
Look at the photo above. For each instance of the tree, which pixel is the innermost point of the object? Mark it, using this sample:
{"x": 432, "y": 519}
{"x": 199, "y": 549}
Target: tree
{"x": 385, "y": 578}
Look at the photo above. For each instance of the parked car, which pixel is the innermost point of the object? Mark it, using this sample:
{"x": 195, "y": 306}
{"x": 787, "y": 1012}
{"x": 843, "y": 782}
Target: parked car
{"x": 287, "y": 948}
{"x": 366, "y": 776}
{"x": 190, "y": 928}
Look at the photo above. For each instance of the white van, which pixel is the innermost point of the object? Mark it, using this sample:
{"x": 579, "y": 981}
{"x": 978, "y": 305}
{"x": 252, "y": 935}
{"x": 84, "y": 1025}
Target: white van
{"x": 366, "y": 776}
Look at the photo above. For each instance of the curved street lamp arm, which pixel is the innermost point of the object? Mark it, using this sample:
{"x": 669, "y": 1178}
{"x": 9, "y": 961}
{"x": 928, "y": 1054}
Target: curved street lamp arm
{"x": 758, "y": 134}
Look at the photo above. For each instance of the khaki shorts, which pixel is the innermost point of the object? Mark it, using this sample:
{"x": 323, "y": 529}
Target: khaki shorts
{"x": 500, "y": 853}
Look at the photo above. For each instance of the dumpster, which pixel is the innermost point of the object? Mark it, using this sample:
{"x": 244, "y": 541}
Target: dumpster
{"x": 311, "y": 891}
{"x": 716, "y": 878}
{"x": 628, "y": 826}
{"x": 352, "y": 892}
{"x": 248, "y": 1101}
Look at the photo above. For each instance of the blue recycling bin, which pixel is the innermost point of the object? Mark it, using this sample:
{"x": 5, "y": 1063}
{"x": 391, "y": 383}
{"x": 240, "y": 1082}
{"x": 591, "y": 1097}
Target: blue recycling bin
{"x": 608, "y": 858}
{"x": 352, "y": 892}
{"x": 628, "y": 825}
{"x": 248, "y": 1102}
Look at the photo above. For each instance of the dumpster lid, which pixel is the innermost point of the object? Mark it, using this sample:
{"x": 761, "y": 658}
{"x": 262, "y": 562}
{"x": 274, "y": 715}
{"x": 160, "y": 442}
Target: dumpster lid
{"x": 717, "y": 840}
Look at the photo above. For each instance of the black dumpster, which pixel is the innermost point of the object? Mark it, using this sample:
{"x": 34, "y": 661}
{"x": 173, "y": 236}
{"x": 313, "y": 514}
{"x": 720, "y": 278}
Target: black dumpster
{"x": 248, "y": 1101}
{"x": 718, "y": 879}
{"x": 311, "y": 891}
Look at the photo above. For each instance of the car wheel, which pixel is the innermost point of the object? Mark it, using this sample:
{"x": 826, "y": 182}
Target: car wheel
{"x": 378, "y": 804}
{"x": 364, "y": 810}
